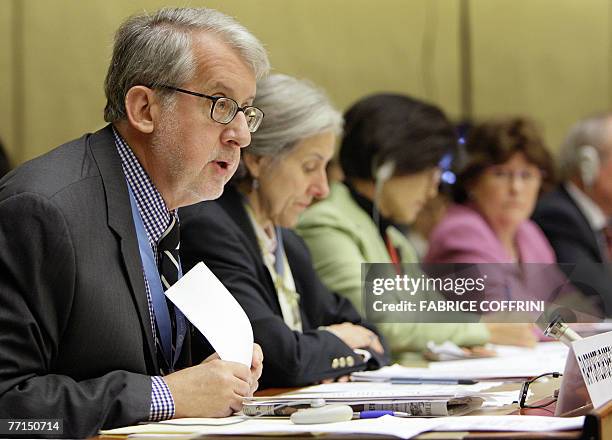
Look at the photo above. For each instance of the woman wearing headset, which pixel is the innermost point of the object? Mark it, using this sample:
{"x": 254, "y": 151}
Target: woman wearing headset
{"x": 389, "y": 154}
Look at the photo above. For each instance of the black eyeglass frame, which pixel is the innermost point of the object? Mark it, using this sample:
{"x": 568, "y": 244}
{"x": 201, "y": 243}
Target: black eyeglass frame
{"x": 525, "y": 390}
{"x": 214, "y": 99}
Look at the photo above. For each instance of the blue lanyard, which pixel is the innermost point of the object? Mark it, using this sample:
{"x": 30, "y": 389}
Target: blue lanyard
{"x": 160, "y": 308}
{"x": 279, "y": 254}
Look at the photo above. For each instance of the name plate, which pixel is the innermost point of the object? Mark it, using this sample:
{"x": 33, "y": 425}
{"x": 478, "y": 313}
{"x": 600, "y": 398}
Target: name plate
{"x": 594, "y": 357}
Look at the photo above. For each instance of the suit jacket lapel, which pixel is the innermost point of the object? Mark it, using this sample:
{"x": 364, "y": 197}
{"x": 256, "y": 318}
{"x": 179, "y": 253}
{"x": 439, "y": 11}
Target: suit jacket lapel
{"x": 102, "y": 147}
{"x": 589, "y": 234}
{"x": 294, "y": 254}
{"x": 231, "y": 201}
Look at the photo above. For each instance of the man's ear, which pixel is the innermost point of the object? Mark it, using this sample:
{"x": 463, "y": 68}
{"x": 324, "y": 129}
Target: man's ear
{"x": 140, "y": 106}
{"x": 253, "y": 163}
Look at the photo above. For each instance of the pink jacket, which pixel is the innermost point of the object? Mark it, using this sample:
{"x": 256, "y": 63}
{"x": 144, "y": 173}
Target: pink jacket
{"x": 463, "y": 236}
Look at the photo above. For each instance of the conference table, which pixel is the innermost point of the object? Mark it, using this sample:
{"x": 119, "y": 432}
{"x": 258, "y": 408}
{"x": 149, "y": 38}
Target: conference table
{"x": 598, "y": 424}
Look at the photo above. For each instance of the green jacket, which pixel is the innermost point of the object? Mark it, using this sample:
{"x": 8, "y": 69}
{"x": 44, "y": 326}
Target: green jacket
{"x": 341, "y": 236}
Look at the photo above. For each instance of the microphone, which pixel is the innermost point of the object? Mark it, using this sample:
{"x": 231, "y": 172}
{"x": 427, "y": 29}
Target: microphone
{"x": 559, "y": 330}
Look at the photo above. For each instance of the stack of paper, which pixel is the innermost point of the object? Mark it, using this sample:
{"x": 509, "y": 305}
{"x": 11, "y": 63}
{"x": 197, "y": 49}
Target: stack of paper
{"x": 586, "y": 329}
{"x": 404, "y": 428}
{"x": 511, "y": 363}
{"x": 449, "y": 351}
{"x": 416, "y": 400}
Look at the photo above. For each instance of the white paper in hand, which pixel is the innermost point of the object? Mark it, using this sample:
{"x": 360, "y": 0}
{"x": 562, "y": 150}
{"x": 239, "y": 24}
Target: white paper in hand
{"x": 210, "y": 307}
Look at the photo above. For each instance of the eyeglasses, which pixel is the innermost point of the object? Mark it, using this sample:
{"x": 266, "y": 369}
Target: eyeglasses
{"x": 525, "y": 390}
{"x": 224, "y": 110}
{"x": 526, "y": 175}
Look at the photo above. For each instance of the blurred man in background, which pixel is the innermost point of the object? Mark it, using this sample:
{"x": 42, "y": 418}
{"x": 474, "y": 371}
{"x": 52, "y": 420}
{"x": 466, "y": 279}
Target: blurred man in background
{"x": 575, "y": 217}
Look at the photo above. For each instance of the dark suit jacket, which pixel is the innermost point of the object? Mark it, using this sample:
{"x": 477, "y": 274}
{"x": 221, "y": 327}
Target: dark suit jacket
{"x": 576, "y": 245}
{"x": 221, "y": 234}
{"x": 75, "y": 339}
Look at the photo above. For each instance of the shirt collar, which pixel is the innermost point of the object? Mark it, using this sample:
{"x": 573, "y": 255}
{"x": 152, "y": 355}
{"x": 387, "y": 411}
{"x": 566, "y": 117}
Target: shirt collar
{"x": 368, "y": 206}
{"x": 151, "y": 206}
{"x": 266, "y": 238}
{"x": 593, "y": 213}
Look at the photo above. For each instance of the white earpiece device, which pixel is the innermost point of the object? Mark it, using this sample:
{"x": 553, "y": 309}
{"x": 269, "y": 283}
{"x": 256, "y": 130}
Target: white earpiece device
{"x": 589, "y": 163}
{"x": 384, "y": 172}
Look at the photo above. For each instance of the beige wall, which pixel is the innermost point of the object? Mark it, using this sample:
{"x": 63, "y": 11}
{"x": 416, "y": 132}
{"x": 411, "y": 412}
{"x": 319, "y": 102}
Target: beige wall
{"x": 7, "y": 121}
{"x": 547, "y": 58}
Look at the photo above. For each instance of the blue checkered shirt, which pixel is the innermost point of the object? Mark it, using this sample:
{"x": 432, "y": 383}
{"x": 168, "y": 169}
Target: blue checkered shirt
{"x": 156, "y": 219}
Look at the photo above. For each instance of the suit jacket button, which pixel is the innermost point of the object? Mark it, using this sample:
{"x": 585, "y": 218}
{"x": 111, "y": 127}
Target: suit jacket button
{"x": 342, "y": 362}
{"x": 350, "y": 361}
{"x": 335, "y": 363}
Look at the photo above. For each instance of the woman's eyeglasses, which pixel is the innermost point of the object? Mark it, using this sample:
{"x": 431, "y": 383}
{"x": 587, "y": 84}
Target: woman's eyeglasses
{"x": 526, "y": 175}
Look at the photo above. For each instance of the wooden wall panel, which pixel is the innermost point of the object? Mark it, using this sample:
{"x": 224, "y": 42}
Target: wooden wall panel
{"x": 546, "y": 58}
{"x": 351, "y": 48}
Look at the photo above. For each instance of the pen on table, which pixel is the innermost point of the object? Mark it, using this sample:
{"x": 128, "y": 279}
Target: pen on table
{"x": 377, "y": 414}
{"x": 428, "y": 380}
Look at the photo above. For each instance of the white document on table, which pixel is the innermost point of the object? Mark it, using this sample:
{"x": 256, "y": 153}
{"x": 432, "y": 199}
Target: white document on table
{"x": 174, "y": 426}
{"x": 210, "y": 307}
{"x": 341, "y": 390}
{"x": 387, "y": 425}
{"x": 498, "y": 399}
{"x": 594, "y": 357}
{"x": 497, "y": 371}
{"x": 404, "y": 428}
{"x": 509, "y": 423}
{"x": 514, "y": 362}
{"x": 280, "y": 426}
{"x": 511, "y": 362}
{"x": 493, "y": 399}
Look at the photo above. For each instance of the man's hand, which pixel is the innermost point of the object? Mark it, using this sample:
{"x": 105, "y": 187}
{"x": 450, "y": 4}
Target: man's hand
{"x": 214, "y": 388}
{"x": 256, "y": 367}
{"x": 356, "y": 336}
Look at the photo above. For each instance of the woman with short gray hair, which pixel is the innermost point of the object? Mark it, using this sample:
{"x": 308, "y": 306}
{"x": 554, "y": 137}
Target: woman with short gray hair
{"x": 307, "y": 333}
{"x": 295, "y": 110}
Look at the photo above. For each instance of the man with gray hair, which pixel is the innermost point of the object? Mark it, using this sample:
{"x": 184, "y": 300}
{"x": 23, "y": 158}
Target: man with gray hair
{"x": 575, "y": 217}
{"x": 89, "y": 236}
